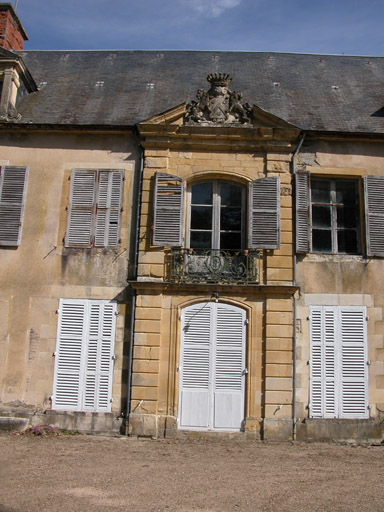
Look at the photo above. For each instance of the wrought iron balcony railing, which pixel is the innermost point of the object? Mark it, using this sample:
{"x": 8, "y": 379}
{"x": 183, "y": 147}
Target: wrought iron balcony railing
{"x": 214, "y": 266}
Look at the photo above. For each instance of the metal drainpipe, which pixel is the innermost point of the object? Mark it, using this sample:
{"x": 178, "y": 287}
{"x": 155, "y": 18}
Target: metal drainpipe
{"x": 135, "y": 265}
{"x": 296, "y": 152}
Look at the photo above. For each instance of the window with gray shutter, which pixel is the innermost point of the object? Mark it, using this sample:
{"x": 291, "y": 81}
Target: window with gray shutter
{"x": 84, "y": 355}
{"x": 264, "y": 214}
{"x": 94, "y": 208}
{"x": 338, "y": 362}
{"x": 12, "y": 198}
{"x": 168, "y": 214}
{"x": 302, "y": 211}
{"x": 374, "y": 214}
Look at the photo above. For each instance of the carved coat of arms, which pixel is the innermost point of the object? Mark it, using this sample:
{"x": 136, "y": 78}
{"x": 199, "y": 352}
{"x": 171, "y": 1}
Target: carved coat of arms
{"x": 218, "y": 105}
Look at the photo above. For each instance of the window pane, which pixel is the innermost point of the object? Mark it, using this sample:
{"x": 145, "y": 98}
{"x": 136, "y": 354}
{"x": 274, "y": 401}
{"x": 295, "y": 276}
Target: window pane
{"x": 346, "y": 217}
{"x": 201, "y": 217}
{"x": 345, "y": 192}
{"x": 321, "y": 240}
{"x": 320, "y": 191}
{"x": 202, "y": 193}
{"x": 321, "y": 216}
{"x": 200, "y": 240}
{"x": 230, "y": 219}
{"x": 230, "y": 194}
{"x": 347, "y": 241}
{"x": 230, "y": 241}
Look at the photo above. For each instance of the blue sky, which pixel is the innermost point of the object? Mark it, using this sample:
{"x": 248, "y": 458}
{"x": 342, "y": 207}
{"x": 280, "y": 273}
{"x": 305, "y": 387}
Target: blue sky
{"x": 352, "y": 27}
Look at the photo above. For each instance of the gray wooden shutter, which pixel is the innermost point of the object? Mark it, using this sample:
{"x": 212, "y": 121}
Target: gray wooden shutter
{"x": 12, "y": 198}
{"x": 264, "y": 214}
{"x": 353, "y": 362}
{"x": 374, "y": 214}
{"x": 71, "y": 338}
{"x": 302, "y": 211}
{"x": 168, "y": 216}
{"x": 108, "y": 212}
{"x": 81, "y": 208}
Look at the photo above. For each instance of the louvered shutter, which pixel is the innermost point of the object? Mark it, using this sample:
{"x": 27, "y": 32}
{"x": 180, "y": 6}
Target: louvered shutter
{"x": 374, "y": 214}
{"x": 168, "y": 216}
{"x": 108, "y": 208}
{"x": 316, "y": 363}
{"x": 330, "y": 356}
{"x": 302, "y": 211}
{"x": 12, "y": 198}
{"x": 323, "y": 363}
{"x": 354, "y": 371}
{"x": 84, "y": 356}
{"x": 228, "y": 364}
{"x": 71, "y": 336}
{"x": 195, "y": 359}
{"x": 99, "y": 353}
{"x": 264, "y": 214}
{"x": 81, "y": 208}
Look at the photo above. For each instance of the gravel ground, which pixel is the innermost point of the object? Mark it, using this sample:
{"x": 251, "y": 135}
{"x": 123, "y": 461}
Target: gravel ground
{"x": 81, "y": 473}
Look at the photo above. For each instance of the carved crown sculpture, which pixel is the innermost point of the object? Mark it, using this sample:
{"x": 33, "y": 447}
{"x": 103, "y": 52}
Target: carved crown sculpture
{"x": 219, "y": 79}
{"x": 218, "y": 105}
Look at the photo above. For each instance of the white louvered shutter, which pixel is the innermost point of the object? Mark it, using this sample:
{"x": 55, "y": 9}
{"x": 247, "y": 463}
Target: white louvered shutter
{"x": 81, "y": 208}
{"x": 71, "y": 337}
{"x": 168, "y": 215}
{"x": 264, "y": 214}
{"x": 330, "y": 366}
{"x": 323, "y": 363}
{"x": 354, "y": 371}
{"x": 98, "y": 358}
{"x": 229, "y": 365}
{"x": 302, "y": 211}
{"x": 316, "y": 363}
{"x": 108, "y": 212}
{"x": 195, "y": 364}
{"x": 12, "y": 198}
{"x": 374, "y": 214}
{"x": 84, "y": 356}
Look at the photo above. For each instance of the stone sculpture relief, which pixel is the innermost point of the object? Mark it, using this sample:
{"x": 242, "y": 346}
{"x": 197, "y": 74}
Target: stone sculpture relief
{"x": 218, "y": 105}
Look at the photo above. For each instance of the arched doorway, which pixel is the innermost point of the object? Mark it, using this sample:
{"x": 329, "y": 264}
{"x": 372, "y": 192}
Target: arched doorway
{"x": 212, "y": 367}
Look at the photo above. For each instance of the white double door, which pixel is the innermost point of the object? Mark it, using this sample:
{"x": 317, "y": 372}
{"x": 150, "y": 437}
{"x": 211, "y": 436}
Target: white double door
{"x": 212, "y": 367}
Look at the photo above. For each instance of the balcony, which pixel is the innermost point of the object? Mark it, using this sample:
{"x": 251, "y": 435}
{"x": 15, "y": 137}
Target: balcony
{"x": 215, "y": 266}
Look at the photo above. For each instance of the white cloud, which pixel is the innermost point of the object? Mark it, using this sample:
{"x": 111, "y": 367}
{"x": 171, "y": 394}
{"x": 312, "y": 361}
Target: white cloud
{"x": 212, "y": 8}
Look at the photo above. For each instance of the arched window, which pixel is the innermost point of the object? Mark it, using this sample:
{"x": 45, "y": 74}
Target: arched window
{"x": 216, "y": 215}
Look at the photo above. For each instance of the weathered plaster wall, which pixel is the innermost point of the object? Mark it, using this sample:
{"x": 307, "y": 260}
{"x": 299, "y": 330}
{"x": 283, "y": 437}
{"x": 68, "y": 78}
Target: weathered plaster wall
{"x": 40, "y": 271}
{"x": 338, "y": 279}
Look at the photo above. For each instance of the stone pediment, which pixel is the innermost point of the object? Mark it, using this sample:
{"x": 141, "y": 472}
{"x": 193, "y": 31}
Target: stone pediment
{"x": 218, "y": 107}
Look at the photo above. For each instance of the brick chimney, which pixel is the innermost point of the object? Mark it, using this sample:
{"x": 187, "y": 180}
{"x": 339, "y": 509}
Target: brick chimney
{"x": 12, "y": 33}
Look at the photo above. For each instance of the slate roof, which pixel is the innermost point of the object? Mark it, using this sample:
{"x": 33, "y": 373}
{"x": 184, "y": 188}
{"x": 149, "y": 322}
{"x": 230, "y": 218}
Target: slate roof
{"x": 313, "y": 92}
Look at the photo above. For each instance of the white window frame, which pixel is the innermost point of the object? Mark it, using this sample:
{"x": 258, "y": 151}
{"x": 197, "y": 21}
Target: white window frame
{"x": 333, "y": 206}
{"x": 216, "y": 205}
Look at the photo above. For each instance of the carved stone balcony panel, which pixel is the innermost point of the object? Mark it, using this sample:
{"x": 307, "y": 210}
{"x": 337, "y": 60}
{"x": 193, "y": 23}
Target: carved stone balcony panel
{"x": 214, "y": 266}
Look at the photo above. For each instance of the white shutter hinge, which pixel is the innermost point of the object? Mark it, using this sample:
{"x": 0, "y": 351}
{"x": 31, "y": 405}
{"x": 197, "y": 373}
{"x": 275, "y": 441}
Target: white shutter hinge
{"x": 246, "y": 321}
{"x": 366, "y": 318}
{"x": 51, "y": 398}
{"x": 114, "y": 357}
{"x": 245, "y": 371}
{"x": 368, "y": 407}
{"x": 54, "y": 354}
{"x": 368, "y": 362}
{"x": 111, "y": 399}
{"x": 116, "y": 313}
